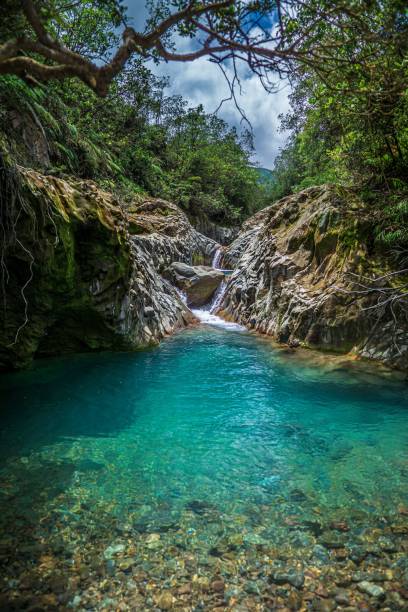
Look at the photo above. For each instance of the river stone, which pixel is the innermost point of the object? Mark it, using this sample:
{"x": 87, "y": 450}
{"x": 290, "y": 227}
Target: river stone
{"x": 113, "y": 550}
{"x": 371, "y": 589}
{"x": 291, "y": 576}
{"x": 199, "y": 283}
{"x": 165, "y": 601}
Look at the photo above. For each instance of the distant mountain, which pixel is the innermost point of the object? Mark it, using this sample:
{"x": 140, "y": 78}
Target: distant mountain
{"x": 265, "y": 175}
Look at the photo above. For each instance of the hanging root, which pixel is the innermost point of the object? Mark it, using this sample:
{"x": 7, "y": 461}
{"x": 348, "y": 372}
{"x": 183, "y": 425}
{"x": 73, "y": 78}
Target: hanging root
{"x": 13, "y": 206}
{"x": 23, "y": 288}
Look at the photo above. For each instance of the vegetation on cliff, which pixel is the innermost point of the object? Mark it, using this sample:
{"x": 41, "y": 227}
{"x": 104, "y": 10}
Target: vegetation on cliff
{"x": 350, "y": 127}
{"x": 137, "y": 140}
{"x": 115, "y": 124}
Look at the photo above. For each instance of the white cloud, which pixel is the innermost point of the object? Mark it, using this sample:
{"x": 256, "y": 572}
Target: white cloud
{"x": 201, "y": 82}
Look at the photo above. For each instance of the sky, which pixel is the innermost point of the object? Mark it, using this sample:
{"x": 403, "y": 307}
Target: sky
{"x": 201, "y": 82}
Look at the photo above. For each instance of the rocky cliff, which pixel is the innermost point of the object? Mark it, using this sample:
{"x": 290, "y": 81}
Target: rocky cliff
{"x": 79, "y": 271}
{"x": 304, "y": 274}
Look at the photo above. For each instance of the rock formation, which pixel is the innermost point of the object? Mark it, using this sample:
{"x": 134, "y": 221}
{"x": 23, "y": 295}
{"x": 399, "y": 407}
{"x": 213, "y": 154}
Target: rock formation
{"x": 81, "y": 272}
{"x": 301, "y": 266}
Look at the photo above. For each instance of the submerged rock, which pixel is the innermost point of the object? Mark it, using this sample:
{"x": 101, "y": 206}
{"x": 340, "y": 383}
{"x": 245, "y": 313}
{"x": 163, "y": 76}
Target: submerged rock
{"x": 294, "y": 577}
{"x": 371, "y": 589}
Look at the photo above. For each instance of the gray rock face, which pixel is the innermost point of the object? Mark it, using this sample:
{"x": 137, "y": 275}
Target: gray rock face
{"x": 90, "y": 283}
{"x": 163, "y": 232}
{"x": 223, "y": 235}
{"x": 297, "y": 266}
{"x": 199, "y": 283}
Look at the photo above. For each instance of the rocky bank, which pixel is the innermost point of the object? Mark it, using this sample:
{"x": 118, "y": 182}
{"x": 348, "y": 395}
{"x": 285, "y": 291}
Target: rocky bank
{"x": 80, "y": 271}
{"x": 304, "y": 270}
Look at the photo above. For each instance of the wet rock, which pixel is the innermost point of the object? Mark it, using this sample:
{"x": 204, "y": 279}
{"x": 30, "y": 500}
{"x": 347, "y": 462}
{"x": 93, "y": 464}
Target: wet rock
{"x": 185, "y": 589}
{"x": 117, "y": 298}
{"x": 371, "y": 589}
{"x": 199, "y": 283}
{"x": 294, "y": 577}
{"x": 165, "y": 601}
{"x": 218, "y": 586}
{"x": 342, "y": 598}
{"x": 323, "y": 605}
{"x": 251, "y": 586}
{"x": 320, "y": 554}
{"x": 387, "y": 545}
{"x": 286, "y": 259}
{"x": 331, "y": 539}
{"x": 113, "y": 550}
{"x": 358, "y": 554}
{"x": 153, "y": 541}
{"x": 396, "y": 601}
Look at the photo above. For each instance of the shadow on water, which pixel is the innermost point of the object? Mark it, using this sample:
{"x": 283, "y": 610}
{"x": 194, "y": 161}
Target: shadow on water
{"x": 70, "y": 398}
{"x": 34, "y": 486}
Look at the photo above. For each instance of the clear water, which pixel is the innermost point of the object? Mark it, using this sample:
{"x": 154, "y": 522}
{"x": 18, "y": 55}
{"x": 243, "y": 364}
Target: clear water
{"x": 212, "y": 421}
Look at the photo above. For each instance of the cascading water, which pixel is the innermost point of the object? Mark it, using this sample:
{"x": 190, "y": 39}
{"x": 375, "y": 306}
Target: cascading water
{"x": 218, "y": 297}
{"x": 182, "y": 295}
{"x": 206, "y": 314}
{"x": 216, "y": 262}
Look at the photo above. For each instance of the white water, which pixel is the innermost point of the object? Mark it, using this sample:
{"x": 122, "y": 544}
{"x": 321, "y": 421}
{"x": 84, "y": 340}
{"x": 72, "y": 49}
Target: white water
{"x": 207, "y": 318}
{"x": 217, "y": 258}
{"x": 206, "y": 314}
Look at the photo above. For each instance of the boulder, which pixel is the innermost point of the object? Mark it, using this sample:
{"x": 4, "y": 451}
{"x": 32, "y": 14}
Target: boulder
{"x": 199, "y": 283}
{"x": 76, "y": 280}
{"x": 298, "y": 265}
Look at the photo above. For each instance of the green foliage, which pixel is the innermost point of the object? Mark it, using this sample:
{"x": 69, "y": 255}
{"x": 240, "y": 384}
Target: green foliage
{"x": 138, "y": 139}
{"x": 350, "y": 126}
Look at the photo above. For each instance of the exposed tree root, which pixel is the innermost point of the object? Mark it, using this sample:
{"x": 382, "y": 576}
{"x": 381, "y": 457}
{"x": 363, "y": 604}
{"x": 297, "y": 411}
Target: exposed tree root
{"x": 13, "y": 206}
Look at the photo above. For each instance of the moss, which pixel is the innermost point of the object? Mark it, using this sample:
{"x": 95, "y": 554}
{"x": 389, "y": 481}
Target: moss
{"x": 198, "y": 259}
{"x": 82, "y": 268}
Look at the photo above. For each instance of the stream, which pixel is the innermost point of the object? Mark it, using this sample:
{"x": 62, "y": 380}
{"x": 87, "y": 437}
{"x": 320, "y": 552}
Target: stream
{"x": 213, "y": 455}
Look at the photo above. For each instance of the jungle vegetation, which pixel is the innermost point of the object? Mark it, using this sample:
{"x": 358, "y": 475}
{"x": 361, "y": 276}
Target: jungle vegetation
{"x": 82, "y": 71}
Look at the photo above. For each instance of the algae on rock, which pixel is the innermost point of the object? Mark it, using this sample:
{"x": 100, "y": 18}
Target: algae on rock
{"x": 76, "y": 279}
{"x": 298, "y": 265}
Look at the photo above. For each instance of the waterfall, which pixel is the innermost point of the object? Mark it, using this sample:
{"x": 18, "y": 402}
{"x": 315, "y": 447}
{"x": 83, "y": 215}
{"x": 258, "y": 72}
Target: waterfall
{"x": 206, "y": 314}
{"x": 218, "y": 297}
{"x": 216, "y": 262}
{"x": 182, "y": 295}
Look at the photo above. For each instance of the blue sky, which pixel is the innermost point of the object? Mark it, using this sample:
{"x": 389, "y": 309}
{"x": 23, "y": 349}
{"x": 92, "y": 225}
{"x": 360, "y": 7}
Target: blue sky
{"x": 201, "y": 82}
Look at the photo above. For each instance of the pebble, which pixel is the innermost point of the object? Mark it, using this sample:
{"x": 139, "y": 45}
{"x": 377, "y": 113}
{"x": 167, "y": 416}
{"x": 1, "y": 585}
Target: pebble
{"x": 185, "y": 589}
{"x": 371, "y": 589}
{"x": 113, "y": 550}
{"x": 218, "y": 586}
{"x": 320, "y": 554}
{"x": 293, "y": 577}
{"x": 252, "y": 587}
{"x": 342, "y": 598}
{"x": 165, "y": 601}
